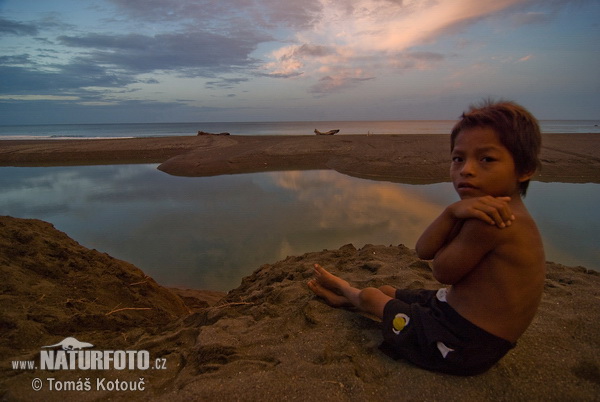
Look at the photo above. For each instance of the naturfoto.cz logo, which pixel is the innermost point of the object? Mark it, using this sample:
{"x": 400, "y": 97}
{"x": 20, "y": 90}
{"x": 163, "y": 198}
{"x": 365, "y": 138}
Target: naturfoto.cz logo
{"x": 71, "y": 354}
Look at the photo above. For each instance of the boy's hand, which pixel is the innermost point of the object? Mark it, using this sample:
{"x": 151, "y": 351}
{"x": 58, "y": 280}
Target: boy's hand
{"x": 493, "y": 210}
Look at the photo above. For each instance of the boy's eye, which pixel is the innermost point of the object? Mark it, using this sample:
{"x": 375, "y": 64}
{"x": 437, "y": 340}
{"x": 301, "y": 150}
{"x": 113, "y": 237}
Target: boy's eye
{"x": 488, "y": 159}
{"x": 457, "y": 159}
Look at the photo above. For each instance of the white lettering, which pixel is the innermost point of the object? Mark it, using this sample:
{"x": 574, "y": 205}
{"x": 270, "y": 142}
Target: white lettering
{"x": 23, "y": 364}
{"x": 90, "y": 360}
{"x": 143, "y": 360}
{"x": 95, "y": 360}
{"x": 47, "y": 359}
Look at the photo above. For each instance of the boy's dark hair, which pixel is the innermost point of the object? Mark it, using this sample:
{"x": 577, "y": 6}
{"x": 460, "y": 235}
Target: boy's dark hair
{"x": 515, "y": 127}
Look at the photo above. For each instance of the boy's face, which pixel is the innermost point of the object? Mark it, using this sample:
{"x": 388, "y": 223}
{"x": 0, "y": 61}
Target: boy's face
{"x": 481, "y": 165}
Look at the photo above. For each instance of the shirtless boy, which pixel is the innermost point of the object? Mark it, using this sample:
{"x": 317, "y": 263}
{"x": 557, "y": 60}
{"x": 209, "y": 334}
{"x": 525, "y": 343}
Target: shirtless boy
{"x": 486, "y": 247}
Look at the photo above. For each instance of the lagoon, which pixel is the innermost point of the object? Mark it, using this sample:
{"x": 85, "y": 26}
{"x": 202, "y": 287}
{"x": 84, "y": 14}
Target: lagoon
{"x": 210, "y": 232}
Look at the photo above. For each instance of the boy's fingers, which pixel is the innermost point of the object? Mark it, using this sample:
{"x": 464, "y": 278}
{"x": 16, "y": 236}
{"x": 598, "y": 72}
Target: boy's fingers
{"x": 485, "y": 214}
{"x": 497, "y": 212}
{"x": 501, "y": 212}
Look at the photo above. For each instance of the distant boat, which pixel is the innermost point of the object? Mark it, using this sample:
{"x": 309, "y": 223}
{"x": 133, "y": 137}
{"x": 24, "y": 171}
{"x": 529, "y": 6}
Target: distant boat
{"x": 205, "y": 133}
{"x": 330, "y": 132}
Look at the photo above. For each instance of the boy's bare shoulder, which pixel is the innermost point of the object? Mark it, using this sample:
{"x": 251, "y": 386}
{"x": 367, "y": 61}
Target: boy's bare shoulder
{"x": 520, "y": 239}
{"x": 517, "y": 246}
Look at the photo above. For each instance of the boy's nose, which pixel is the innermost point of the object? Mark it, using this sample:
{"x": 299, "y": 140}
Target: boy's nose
{"x": 468, "y": 169}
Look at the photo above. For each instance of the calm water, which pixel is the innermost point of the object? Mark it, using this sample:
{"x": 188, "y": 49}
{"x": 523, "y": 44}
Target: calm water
{"x": 208, "y": 233}
{"x": 264, "y": 128}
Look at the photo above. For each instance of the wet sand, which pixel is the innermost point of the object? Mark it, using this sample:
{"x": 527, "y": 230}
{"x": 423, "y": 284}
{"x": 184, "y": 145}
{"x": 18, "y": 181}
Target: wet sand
{"x": 415, "y": 159}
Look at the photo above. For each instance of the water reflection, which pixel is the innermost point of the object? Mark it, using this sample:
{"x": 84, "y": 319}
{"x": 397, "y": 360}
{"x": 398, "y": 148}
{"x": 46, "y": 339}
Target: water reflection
{"x": 569, "y": 219}
{"x": 210, "y": 232}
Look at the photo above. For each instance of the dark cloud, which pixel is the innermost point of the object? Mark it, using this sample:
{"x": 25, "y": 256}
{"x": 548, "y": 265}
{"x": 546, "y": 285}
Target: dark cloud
{"x": 173, "y": 10}
{"x": 14, "y": 60}
{"x": 71, "y": 78}
{"x": 282, "y": 75}
{"x": 206, "y": 39}
{"x": 193, "y": 53}
{"x": 226, "y": 15}
{"x": 226, "y": 83}
{"x": 293, "y": 14}
{"x": 201, "y": 47}
{"x": 8, "y": 27}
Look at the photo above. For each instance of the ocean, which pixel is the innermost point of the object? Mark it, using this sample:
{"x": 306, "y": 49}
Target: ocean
{"x": 90, "y": 131}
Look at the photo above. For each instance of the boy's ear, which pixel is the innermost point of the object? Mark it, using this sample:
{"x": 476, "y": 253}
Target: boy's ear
{"x": 526, "y": 176}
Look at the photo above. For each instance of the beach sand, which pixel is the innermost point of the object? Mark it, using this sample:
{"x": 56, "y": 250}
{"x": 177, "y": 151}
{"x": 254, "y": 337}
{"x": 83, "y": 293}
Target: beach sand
{"x": 415, "y": 159}
{"x": 271, "y": 338}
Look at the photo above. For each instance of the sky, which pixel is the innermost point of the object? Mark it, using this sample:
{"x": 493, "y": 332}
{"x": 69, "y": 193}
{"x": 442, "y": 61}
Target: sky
{"x": 144, "y": 61}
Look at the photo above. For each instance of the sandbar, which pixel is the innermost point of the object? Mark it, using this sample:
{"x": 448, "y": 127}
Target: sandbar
{"x": 406, "y": 158}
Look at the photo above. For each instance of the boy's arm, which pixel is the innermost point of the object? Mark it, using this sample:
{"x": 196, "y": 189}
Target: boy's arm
{"x": 465, "y": 251}
{"x": 486, "y": 210}
{"x": 437, "y": 234}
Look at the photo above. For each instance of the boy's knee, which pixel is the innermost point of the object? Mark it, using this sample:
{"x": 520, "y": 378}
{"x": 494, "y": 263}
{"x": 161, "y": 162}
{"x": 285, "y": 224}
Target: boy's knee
{"x": 367, "y": 295}
{"x": 373, "y": 301}
{"x": 388, "y": 290}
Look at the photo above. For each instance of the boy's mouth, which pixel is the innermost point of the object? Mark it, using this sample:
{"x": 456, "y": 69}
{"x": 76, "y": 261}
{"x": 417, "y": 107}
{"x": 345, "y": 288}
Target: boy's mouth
{"x": 464, "y": 184}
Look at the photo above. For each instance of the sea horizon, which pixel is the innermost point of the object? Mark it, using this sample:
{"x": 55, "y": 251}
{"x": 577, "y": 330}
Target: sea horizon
{"x": 374, "y": 127}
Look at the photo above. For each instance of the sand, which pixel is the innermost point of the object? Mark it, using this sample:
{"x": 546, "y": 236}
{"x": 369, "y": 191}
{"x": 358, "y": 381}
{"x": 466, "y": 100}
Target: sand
{"x": 415, "y": 159}
{"x": 271, "y": 338}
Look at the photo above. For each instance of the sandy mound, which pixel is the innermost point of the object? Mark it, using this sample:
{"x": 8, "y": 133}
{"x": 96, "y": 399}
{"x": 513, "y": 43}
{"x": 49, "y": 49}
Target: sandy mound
{"x": 274, "y": 338}
{"x": 270, "y": 338}
{"x": 50, "y": 285}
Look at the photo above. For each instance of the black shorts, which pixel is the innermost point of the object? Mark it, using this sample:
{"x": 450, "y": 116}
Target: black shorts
{"x": 418, "y": 325}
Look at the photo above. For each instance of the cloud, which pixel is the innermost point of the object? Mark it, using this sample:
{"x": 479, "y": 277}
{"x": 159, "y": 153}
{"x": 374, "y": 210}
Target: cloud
{"x": 204, "y": 39}
{"x": 38, "y": 97}
{"x": 339, "y": 81}
{"x": 371, "y": 35}
{"x": 115, "y": 61}
{"x": 225, "y": 16}
{"x": 225, "y": 83}
{"x": 9, "y": 27}
{"x": 14, "y": 60}
{"x": 73, "y": 77}
{"x": 325, "y": 46}
{"x": 191, "y": 53}
{"x": 525, "y": 58}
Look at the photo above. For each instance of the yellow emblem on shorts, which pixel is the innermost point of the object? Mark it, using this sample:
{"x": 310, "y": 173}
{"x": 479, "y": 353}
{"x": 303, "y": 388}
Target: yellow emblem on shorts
{"x": 400, "y": 322}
